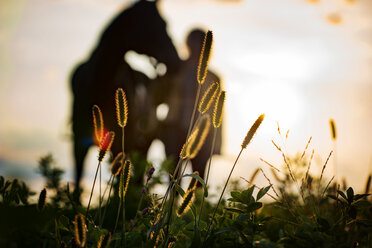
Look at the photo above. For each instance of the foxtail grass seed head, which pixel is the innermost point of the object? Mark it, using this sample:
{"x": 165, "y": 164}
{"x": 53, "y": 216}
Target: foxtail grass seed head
{"x": 42, "y": 200}
{"x": 172, "y": 244}
{"x": 307, "y": 145}
{"x": 117, "y": 164}
{"x": 183, "y": 154}
{"x": 325, "y": 165}
{"x": 98, "y": 123}
{"x": 105, "y": 145}
{"x": 208, "y": 97}
{"x": 104, "y": 240}
{"x": 201, "y": 132}
{"x": 80, "y": 230}
{"x": 193, "y": 181}
{"x": 124, "y": 178}
{"x": 204, "y": 57}
{"x": 150, "y": 173}
{"x": 186, "y": 202}
{"x": 252, "y": 131}
{"x": 253, "y": 176}
{"x": 218, "y": 109}
{"x": 121, "y": 107}
{"x": 332, "y": 125}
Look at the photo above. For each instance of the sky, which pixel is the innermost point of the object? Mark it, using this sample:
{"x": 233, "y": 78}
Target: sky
{"x": 301, "y": 62}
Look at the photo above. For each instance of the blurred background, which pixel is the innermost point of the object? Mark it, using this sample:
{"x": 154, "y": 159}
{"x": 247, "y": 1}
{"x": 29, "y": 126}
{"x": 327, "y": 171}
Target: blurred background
{"x": 301, "y": 62}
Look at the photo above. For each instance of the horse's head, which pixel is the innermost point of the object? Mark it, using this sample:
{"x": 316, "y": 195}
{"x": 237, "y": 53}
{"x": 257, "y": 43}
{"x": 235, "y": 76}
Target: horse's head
{"x": 146, "y": 33}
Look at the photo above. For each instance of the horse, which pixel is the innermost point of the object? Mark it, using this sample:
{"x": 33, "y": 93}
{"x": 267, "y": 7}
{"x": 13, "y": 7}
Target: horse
{"x": 139, "y": 28}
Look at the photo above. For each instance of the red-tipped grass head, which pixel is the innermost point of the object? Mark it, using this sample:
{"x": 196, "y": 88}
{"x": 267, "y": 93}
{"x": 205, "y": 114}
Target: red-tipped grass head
{"x": 105, "y": 144}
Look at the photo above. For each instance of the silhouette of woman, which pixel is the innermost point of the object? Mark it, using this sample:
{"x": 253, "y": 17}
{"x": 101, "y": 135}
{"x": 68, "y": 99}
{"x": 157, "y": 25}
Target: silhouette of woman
{"x": 181, "y": 102}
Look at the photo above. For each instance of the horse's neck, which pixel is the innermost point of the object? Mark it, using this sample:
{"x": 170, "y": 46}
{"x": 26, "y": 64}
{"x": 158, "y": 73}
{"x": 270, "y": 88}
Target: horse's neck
{"x": 110, "y": 51}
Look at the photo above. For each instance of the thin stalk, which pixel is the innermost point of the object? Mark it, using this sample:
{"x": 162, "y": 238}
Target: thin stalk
{"x": 100, "y": 189}
{"x": 91, "y": 192}
{"x": 209, "y": 167}
{"x": 117, "y": 217}
{"x": 122, "y": 140}
{"x": 171, "y": 183}
{"x": 122, "y": 192}
{"x": 223, "y": 191}
{"x": 194, "y": 110}
{"x": 140, "y": 202}
{"x": 111, "y": 182}
{"x": 171, "y": 200}
{"x": 187, "y": 136}
{"x": 125, "y": 241}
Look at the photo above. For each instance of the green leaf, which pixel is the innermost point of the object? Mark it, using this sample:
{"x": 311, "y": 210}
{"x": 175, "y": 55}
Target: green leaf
{"x": 360, "y": 196}
{"x": 350, "y": 195}
{"x": 236, "y": 196}
{"x": 262, "y": 192}
{"x": 254, "y": 206}
{"x": 200, "y": 180}
{"x": 179, "y": 190}
{"x": 247, "y": 195}
{"x": 235, "y": 210}
{"x": 243, "y": 217}
{"x": 342, "y": 194}
{"x": 63, "y": 223}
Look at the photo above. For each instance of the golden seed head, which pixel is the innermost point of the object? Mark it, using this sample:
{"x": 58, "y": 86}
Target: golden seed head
{"x": 218, "y": 109}
{"x": 186, "y": 202}
{"x": 104, "y": 240}
{"x": 117, "y": 164}
{"x": 80, "y": 230}
{"x": 208, "y": 97}
{"x": 121, "y": 107}
{"x": 171, "y": 244}
{"x": 332, "y": 125}
{"x": 198, "y": 137}
{"x": 105, "y": 145}
{"x": 42, "y": 200}
{"x": 98, "y": 123}
{"x": 204, "y": 57}
{"x": 183, "y": 154}
{"x": 252, "y": 131}
{"x": 193, "y": 182}
{"x": 124, "y": 178}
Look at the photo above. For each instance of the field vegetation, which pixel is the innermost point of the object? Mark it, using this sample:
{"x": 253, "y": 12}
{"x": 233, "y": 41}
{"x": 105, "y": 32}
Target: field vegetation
{"x": 300, "y": 209}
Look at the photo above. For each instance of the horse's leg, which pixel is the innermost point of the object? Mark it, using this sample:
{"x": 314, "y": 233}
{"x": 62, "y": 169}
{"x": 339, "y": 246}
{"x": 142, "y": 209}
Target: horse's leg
{"x": 80, "y": 152}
